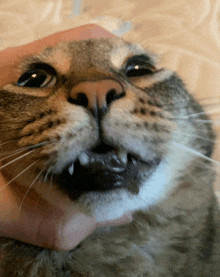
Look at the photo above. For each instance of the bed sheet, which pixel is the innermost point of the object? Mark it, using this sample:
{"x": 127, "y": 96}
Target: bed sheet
{"x": 185, "y": 33}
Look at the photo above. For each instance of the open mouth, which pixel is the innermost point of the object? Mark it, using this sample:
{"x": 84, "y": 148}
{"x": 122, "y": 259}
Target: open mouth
{"x": 100, "y": 169}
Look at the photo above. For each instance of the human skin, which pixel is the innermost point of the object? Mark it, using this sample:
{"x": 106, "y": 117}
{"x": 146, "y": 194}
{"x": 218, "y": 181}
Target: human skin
{"x": 27, "y": 216}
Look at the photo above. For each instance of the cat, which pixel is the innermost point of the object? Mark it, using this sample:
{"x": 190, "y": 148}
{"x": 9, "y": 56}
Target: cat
{"x": 101, "y": 122}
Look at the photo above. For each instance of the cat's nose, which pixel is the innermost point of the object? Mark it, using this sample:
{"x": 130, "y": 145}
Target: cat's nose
{"x": 96, "y": 94}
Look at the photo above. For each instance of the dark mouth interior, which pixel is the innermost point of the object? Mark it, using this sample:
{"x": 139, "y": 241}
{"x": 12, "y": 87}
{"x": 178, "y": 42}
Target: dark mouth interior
{"x": 102, "y": 148}
{"x": 99, "y": 177}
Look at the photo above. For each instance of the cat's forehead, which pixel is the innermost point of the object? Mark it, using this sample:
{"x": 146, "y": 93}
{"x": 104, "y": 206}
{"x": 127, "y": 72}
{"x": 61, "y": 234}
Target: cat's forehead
{"x": 82, "y": 54}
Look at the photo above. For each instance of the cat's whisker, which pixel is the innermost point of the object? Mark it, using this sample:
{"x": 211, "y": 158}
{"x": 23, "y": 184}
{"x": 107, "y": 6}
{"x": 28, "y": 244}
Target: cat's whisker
{"x": 23, "y": 149}
{"x": 201, "y": 113}
{"x": 188, "y": 105}
{"x": 183, "y": 147}
{"x": 195, "y": 136}
{"x": 196, "y": 119}
{"x": 51, "y": 179}
{"x": 3, "y": 143}
{"x": 38, "y": 198}
{"x": 214, "y": 99}
{"x": 15, "y": 121}
{"x": 31, "y": 185}
{"x": 19, "y": 174}
{"x": 16, "y": 159}
{"x": 15, "y": 138}
{"x": 208, "y": 121}
{"x": 14, "y": 153}
{"x": 37, "y": 145}
{"x": 46, "y": 175}
{"x": 208, "y": 101}
{"x": 10, "y": 129}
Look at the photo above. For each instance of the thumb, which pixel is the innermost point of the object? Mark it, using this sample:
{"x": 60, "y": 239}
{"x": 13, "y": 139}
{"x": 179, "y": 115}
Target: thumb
{"x": 37, "y": 222}
{"x": 56, "y": 229}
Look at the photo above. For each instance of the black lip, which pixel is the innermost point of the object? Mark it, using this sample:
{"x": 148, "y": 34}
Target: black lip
{"x": 97, "y": 178}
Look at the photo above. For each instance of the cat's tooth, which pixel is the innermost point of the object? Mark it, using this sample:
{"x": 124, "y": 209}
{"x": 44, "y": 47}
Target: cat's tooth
{"x": 133, "y": 161}
{"x": 123, "y": 156}
{"x": 84, "y": 159}
{"x": 71, "y": 169}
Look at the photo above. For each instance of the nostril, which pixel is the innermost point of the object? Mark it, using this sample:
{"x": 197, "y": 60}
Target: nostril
{"x": 79, "y": 99}
{"x": 112, "y": 95}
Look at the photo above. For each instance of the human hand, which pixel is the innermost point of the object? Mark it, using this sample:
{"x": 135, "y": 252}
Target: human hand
{"x": 34, "y": 220}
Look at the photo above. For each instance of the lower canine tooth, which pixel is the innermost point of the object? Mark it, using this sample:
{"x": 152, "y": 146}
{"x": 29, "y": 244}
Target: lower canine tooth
{"x": 134, "y": 161}
{"x": 71, "y": 169}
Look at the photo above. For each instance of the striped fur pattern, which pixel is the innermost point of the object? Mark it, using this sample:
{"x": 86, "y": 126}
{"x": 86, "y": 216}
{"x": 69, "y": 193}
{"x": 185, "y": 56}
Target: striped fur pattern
{"x": 162, "y": 139}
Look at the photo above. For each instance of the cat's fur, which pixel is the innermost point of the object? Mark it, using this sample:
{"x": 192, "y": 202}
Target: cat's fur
{"x": 167, "y": 184}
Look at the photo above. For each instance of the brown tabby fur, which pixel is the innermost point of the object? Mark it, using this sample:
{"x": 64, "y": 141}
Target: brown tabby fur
{"x": 174, "y": 233}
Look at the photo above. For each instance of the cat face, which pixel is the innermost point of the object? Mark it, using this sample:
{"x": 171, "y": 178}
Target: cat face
{"x": 101, "y": 122}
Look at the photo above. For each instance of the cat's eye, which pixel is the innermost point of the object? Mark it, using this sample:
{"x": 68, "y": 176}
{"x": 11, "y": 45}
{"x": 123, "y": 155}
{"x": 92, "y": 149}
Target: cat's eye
{"x": 37, "y": 78}
{"x": 139, "y": 66}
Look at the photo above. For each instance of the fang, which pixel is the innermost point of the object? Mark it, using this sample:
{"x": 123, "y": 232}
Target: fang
{"x": 71, "y": 169}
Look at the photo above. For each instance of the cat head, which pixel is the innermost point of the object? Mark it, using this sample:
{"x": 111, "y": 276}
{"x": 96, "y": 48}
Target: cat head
{"x": 101, "y": 122}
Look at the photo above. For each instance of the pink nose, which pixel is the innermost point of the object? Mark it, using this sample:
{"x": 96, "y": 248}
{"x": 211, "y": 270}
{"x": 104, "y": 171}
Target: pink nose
{"x": 97, "y": 94}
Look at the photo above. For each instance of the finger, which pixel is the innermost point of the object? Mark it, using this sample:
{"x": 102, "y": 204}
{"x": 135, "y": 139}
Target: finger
{"x": 23, "y": 227}
{"x": 37, "y": 222}
{"x": 72, "y": 229}
{"x": 54, "y": 230}
{"x": 78, "y": 33}
{"x": 41, "y": 224}
{"x": 11, "y": 57}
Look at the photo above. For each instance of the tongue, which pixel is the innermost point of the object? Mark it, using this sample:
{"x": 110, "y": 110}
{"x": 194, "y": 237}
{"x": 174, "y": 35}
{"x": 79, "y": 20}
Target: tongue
{"x": 109, "y": 161}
